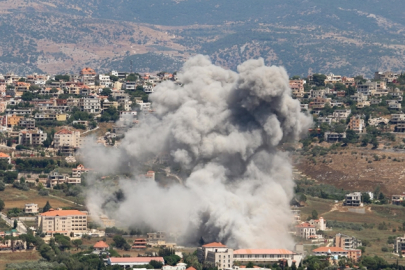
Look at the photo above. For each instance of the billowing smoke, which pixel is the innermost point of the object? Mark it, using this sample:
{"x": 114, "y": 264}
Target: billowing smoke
{"x": 223, "y": 130}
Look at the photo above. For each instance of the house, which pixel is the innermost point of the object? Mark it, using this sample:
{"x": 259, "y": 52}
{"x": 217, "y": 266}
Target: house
{"x": 398, "y": 199}
{"x": 395, "y": 118}
{"x": 31, "y": 137}
{"x": 55, "y": 178}
{"x": 297, "y": 88}
{"x": 334, "y": 136}
{"x": 88, "y": 76}
{"x": 356, "y": 124}
{"x": 216, "y": 254}
{"x": 179, "y": 266}
{"x": 332, "y": 78}
{"x": 31, "y": 208}
{"x": 62, "y": 221}
{"x": 305, "y": 230}
{"x": 353, "y": 199}
{"x": 79, "y": 170}
{"x": 150, "y": 175}
{"x": 327, "y": 120}
{"x": 320, "y": 224}
{"x": 13, "y": 120}
{"x": 318, "y": 103}
{"x": 400, "y": 245}
{"x": 27, "y": 123}
{"x": 133, "y": 261}
{"x": 266, "y": 256}
{"x": 330, "y": 251}
{"x": 348, "y": 81}
{"x": 341, "y": 114}
{"x": 319, "y": 93}
{"x": 4, "y": 156}
{"x": 139, "y": 243}
{"x": 346, "y": 242}
{"x": 90, "y": 104}
{"x": 104, "y": 80}
{"x": 15, "y": 244}
{"x": 377, "y": 121}
{"x": 67, "y": 140}
{"x": 358, "y": 97}
{"x": 101, "y": 246}
{"x": 386, "y": 76}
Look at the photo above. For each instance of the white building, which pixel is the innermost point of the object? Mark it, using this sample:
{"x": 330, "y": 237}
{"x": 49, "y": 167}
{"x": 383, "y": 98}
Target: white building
{"x": 31, "y": 208}
{"x": 90, "y": 104}
{"x": 306, "y": 231}
{"x": 69, "y": 138}
{"x": 179, "y": 266}
{"x": 62, "y": 221}
{"x": 104, "y": 80}
{"x": 266, "y": 256}
{"x": 353, "y": 199}
{"x": 216, "y": 254}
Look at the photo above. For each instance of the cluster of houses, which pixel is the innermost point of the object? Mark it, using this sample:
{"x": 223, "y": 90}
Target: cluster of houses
{"x": 52, "y": 99}
{"x": 366, "y": 93}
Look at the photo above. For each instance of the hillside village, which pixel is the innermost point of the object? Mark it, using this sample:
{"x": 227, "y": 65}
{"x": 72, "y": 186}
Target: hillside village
{"x": 45, "y": 120}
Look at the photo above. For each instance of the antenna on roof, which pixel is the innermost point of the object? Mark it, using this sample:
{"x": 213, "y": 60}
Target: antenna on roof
{"x": 130, "y": 61}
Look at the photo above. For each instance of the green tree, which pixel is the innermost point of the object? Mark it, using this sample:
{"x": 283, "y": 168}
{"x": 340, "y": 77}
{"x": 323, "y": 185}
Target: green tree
{"x": 250, "y": 265}
{"x": 172, "y": 259}
{"x": 77, "y": 243}
{"x": 156, "y": 264}
{"x": 106, "y": 92}
{"x": 314, "y": 214}
{"x": 119, "y": 241}
{"x": 15, "y": 224}
{"x": 1, "y": 205}
{"x": 114, "y": 78}
{"x": 366, "y": 197}
{"x": 47, "y": 207}
{"x": 319, "y": 79}
{"x": 2, "y": 186}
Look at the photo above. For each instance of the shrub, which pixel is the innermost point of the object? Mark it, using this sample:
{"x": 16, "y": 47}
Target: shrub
{"x": 43, "y": 192}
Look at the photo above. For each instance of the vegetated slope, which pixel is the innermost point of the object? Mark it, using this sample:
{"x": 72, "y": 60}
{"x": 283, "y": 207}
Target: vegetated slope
{"x": 346, "y": 37}
{"x": 357, "y": 169}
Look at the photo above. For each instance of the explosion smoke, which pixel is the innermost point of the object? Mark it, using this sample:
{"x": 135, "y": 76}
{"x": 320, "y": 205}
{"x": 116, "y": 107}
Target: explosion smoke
{"x": 224, "y": 128}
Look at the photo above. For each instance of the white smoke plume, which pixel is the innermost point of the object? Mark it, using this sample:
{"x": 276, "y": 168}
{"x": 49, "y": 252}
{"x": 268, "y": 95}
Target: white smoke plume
{"x": 224, "y": 129}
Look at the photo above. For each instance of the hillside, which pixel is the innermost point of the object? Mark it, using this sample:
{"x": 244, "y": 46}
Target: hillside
{"x": 345, "y": 37}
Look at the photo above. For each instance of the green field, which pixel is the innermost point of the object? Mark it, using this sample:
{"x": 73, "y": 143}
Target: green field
{"x": 392, "y": 216}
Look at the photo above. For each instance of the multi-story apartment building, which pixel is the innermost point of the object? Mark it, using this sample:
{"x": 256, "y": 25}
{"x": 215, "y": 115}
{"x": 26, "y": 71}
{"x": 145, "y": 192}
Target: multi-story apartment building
{"x": 104, "y": 80}
{"x": 332, "y": 78}
{"x": 400, "y": 245}
{"x": 386, "y": 76}
{"x": 305, "y": 230}
{"x": 31, "y": 137}
{"x": 266, "y": 256}
{"x": 28, "y": 123}
{"x": 63, "y": 222}
{"x": 352, "y": 199}
{"x": 88, "y": 76}
{"x": 356, "y": 124}
{"x": 90, "y": 104}
{"x": 346, "y": 242}
{"x": 216, "y": 255}
{"x": 67, "y": 138}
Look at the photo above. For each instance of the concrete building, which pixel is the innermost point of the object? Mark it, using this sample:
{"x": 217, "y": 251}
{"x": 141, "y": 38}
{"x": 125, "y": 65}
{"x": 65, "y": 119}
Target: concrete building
{"x": 133, "y": 261}
{"x": 330, "y": 251}
{"x": 400, "y": 245}
{"x": 398, "y": 199}
{"x": 305, "y": 230}
{"x": 346, "y": 242}
{"x": 357, "y": 124}
{"x": 67, "y": 140}
{"x": 179, "y": 266}
{"x": 216, "y": 255}
{"x": 320, "y": 224}
{"x": 31, "y": 208}
{"x": 31, "y": 137}
{"x": 90, "y": 104}
{"x": 88, "y": 76}
{"x": 139, "y": 243}
{"x": 386, "y": 76}
{"x": 266, "y": 256}
{"x": 4, "y": 156}
{"x": 27, "y": 123}
{"x": 353, "y": 199}
{"x": 62, "y": 221}
{"x": 104, "y": 80}
{"x": 334, "y": 136}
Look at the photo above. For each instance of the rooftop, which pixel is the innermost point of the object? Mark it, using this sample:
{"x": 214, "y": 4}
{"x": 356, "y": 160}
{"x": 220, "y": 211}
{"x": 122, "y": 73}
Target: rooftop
{"x": 214, "y": 244}
{"x": 329, "y": 249}
{"x": 263, "y": 251}
{"x": 101, "y": 244}
{"x": 136, "y": 259}
{"x": 53, "y": 213}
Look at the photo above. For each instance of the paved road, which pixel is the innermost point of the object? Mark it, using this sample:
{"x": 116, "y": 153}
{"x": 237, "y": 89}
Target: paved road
{"x": 10, "y": 222}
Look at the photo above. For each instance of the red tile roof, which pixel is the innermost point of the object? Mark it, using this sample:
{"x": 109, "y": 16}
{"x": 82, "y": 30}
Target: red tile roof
{"x": 214, "y": 244}
{"x": 63, "y": 213}
{"x": 64, "y": 131}
{"x": 4, "y": 155}
{"x": 262, "y": 251}
{"x": 191, "y": 268}
{"x": 305, "y": 225}
{"x": 136, "y": 259}
{"x": 100, "y": 244}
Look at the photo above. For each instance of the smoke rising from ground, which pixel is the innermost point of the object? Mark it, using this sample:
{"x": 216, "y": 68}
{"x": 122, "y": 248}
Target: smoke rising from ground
{"x": 223, "y": 128}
